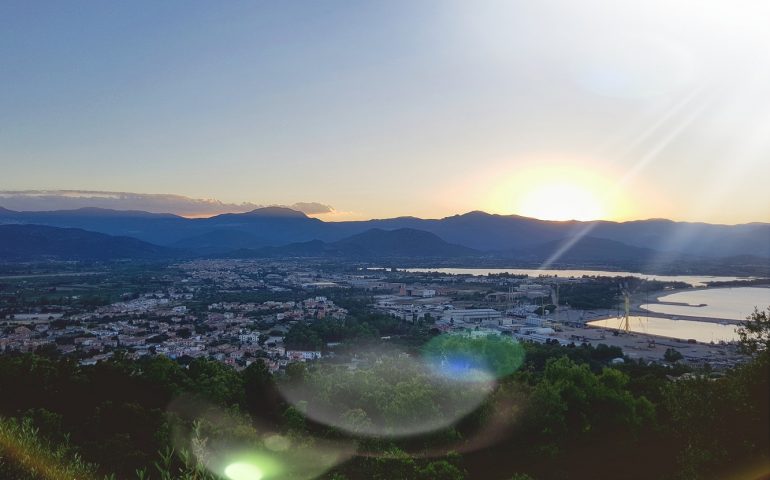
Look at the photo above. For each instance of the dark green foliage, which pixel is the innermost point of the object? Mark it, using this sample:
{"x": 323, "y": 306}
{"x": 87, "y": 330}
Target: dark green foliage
{"x": 572, "y": 403}
{"x": 672, "y": 355}
{"x": 392, "y": 395}
{"x": 359, "y": 326}
{"x": 598, "y": 293}
{"x": 536, "y": 355}
{"x": 115, "y": 411}
{"x": 603, "y": 292}
{"x": 441, "y": 470}
{"x": 755, "y": 332}
{"x": 218, "y": 382}
{"x": 720, "y": 421}
{"x": 302, "y": 337}
{"x": 566, "y": 406}
{"x": 26, "y": 455}
{"x": 392, "y": 462}
{"x": 493, "y": 354}
{"x": 259, "y": 391}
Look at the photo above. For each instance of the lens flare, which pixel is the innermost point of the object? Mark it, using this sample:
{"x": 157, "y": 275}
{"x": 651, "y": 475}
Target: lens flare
{"x": 390, "y": 394}
{"x": 277, "y": 443}
{"x": 466, "y": 358}
{"x": 232, "y": 445}
{"x": 243, "y": 471}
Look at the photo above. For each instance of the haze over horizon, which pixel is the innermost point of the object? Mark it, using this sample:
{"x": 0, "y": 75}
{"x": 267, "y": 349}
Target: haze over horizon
{"x": 42, "y": 201}
{"x": 562, "y": 110}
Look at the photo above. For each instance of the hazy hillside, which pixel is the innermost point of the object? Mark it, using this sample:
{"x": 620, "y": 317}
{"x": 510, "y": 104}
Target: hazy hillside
{"x": 277, "y": 226}
{"x": 402, "y": 242}
{"x": 374, "y": 243}
{"x": 29, "y": 242}
{"x": 589, "y": 249}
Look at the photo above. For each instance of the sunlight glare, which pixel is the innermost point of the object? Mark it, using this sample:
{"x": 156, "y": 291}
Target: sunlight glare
{"x": 557, "y": 189}
{"x": 561, "y": 201}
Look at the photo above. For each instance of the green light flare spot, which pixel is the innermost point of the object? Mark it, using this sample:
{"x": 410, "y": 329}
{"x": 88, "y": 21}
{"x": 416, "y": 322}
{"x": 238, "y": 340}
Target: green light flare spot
{"x": 277, "y": 443}
{"x": 243, "y": 471}
{"x": 473, "y": 358}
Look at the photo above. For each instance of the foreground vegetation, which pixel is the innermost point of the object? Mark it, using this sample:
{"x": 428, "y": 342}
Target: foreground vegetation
{"x": 554, "y": 412}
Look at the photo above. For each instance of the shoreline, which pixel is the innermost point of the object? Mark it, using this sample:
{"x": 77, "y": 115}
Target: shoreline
{"x": 672, "y": 341}
{"x": 654, "y": 299}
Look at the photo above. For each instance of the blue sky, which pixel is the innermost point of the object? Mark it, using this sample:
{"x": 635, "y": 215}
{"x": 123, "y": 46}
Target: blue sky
{"x": 644, "y": 109}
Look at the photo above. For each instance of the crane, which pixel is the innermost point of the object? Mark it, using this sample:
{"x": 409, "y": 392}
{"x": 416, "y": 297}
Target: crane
{"x": 625, "y": 323}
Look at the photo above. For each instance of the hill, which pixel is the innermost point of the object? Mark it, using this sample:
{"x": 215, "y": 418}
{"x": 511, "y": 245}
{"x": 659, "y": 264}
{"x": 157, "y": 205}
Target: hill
{"x": 402, "y": 242}
{"x": 374, "y": 243}
{"x": 279, "y": 226}
{"x": 33, "y": 242}
{"x": 584, "y": 250}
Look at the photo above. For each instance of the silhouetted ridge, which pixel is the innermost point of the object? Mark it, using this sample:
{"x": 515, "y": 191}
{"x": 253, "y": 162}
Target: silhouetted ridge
{"x": 28, "y": 242}
{"x": 279, "y": 226}
{"x": 275, "y": 212}
{"x": 374, "y": 243}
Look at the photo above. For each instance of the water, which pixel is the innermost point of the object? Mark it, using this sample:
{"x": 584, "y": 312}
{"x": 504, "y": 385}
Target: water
{"x": 682, "y": 329}
{"x": 694, "y": 280}
{"x": 728, "y": 303}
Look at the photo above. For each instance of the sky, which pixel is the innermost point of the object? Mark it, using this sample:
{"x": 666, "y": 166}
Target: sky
{"x": 555, "y": 109}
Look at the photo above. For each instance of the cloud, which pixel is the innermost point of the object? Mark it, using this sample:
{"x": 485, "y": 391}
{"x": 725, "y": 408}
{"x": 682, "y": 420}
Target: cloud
{"x": 44, "y": 200}
{"x": 312, "y": 208}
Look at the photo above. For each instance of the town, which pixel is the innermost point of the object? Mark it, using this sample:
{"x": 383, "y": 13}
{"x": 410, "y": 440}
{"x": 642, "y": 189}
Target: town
{"x": 242, "y": 311}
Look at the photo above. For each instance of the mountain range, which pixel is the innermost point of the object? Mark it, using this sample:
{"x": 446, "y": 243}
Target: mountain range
{"x": 279, "y": 231}
{"x": 371, "y": 244}
{"x": 38, "y": 242}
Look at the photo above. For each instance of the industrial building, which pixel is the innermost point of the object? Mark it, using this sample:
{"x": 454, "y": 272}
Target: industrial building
{"x": 478, "y": 315}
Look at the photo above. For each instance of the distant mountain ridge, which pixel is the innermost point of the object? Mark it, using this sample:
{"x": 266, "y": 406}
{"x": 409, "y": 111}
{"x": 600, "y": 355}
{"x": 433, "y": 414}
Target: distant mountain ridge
{"x": 374, "y": 243}
{"x": 589, "y": 249}
{"x": 480, "y": 231}
{"x": 36, "y": 242}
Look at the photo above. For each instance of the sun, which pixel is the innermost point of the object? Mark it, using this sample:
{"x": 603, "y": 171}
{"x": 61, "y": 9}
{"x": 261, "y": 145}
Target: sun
{"x": 561, "y": 201}
{"x": 581, "y": 190}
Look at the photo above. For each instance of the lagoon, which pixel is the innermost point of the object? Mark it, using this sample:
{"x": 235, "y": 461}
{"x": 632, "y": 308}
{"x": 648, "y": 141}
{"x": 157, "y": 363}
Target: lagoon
{"x": 682, "y": 329}
{"x": 727, "y": 303}
{"x": 694, "y": 280}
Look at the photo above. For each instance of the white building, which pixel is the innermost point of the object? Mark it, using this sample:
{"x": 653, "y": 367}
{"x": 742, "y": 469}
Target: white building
{"x": 303, "y": 355}
{"x": 477, "y": 315}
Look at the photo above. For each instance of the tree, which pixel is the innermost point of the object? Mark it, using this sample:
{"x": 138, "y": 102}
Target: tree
{"x": 261, "y": 398}
{"x": 459, "y": 354}
{"x": 216, "y": 381}
{"x": 48, "y": 350}
{"x": 755, "y": 332}
{"x": 296, "y": 372}
{"x": 356, "y": 420}
{"x": 294, "y": 418}
{"x": 672, "y": 355}
{"x": 573, "y": 402}
{"x": 440, "y": 470}
{"x": 392, "y": 463}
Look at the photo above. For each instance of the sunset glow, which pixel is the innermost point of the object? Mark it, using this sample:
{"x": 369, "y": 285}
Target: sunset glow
{"x": 415, "y": 103}
{"x": 561, "y": 201}
{"x": 555, "y": 189}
